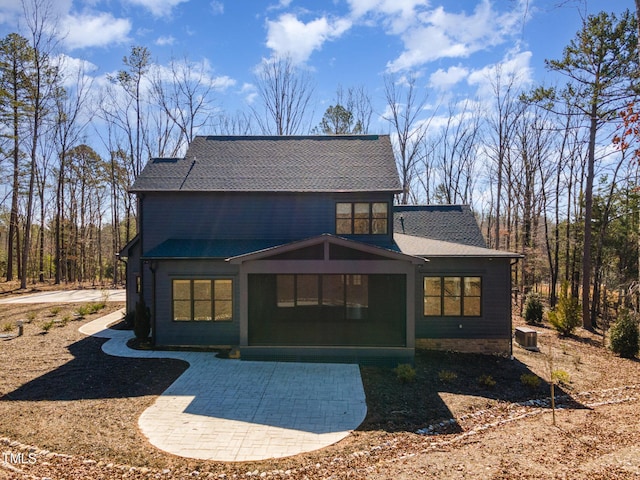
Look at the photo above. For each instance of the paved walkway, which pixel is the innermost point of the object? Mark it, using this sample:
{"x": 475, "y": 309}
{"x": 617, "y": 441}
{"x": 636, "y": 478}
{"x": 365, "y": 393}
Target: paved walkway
{"x": 68, "y": 296}
{"x": 232, "y": 410}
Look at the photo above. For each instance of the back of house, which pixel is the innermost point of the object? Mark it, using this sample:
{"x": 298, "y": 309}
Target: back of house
{"x": 291, "y": 248}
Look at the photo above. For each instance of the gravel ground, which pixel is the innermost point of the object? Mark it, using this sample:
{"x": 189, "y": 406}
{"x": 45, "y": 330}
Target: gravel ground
{"x": 68, "y": 411}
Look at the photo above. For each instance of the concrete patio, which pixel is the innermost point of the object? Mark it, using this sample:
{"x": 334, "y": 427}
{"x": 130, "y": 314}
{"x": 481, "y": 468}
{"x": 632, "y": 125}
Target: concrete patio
{"x": 232, "y": 410}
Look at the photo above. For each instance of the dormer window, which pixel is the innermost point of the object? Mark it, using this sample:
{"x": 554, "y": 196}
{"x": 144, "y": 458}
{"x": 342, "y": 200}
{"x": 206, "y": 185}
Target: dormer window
{"x": 362, "y": 218}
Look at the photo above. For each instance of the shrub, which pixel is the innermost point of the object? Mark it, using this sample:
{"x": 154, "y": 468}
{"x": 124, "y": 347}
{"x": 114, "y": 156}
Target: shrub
{"x": 567, "y": 314}
{"x": 83, "y": 310}
{"x": 46, "y": 326}
{"x": 405, "y": 373}
{"x": 486, "y": 381}
{"x": 31, "y": 316}
{"x": 533, "y": 309}
{"x": 142, "y": 321}
{"x": 54, "y": 311}
{"x": 8, "y": 327}
{"x": 560, "y": 377}
{"x": 96, "y": 307}
{"x": 530, "y": 380}
{"x": 447, "y": 376}
{"x": 129, "y": 318}
{"x": 624, "y": 335}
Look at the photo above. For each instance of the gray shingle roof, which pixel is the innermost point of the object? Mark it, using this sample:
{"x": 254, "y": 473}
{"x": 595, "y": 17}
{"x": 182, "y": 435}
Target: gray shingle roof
{"x": 427, "y": 247}
{"x": 448, "y": 223}
{"x": 277, "y": 164}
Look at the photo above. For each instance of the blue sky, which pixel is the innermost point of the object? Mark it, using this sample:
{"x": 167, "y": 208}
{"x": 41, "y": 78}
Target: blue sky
{"x": 449, "y": 45}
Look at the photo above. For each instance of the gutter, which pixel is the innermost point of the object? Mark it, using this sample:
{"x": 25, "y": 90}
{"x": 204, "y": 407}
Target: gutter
{"x": 511, "y": 265}
{"x": 152, "y": 267}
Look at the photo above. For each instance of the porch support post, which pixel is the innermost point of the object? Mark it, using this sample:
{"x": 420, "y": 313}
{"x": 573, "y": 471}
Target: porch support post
{"x": 244, "y": 307}
{"x": 411, "y": 306}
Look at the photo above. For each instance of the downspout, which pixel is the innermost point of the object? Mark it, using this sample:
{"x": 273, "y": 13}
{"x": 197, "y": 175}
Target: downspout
{"x": 126, "y": 274}
{"x": 152, "y": 267}
{"x": 511, "y": 265}
{"x": 141, "y": 233}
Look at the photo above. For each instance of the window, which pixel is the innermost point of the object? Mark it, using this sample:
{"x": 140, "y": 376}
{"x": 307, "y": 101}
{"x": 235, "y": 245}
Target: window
{"x": 202, "y": 300}
{"x": 286, "y": 288}
{"x": 452, "y": 296}
{"x": 357, "y": 295}
{"x": 362, "y": 218}
{"x": 350, "y": 291}
{"x": 308, "y": 291}
{"x": 333, "y": 290}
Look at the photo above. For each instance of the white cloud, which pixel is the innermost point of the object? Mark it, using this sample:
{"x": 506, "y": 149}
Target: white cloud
{"x": 400, "y": 9}
{"x": 430, "y": 33}
{"x": 165, "y": 40}
{"x": 443, "y": 80}
{"x": 250, "y": 93}
{"x": 201, "y": 72}
{"x": 439, "y": 34}
{"x": 290, "y": 37}
{"x": 74, "y": 69}
{"x": 99, "y": 30}
{"x": 514, "y": 69}
{"x": 280, "y": 5}
{"x": 159, "y": 8}
{"x": 217, "y": 8}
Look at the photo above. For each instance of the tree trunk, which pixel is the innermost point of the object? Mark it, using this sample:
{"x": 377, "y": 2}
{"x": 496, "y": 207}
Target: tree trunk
{"x": 588, "y": 211}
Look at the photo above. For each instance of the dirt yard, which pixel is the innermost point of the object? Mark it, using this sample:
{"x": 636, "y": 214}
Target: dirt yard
{"x": 69, "y": 411}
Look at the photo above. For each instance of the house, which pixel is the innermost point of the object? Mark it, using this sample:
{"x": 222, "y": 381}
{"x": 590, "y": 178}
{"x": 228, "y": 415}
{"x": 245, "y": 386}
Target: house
{"x": 292, "y": 248}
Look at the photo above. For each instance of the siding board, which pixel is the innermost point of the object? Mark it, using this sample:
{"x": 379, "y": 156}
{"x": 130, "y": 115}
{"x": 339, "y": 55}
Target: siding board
{"x": 194, "y": 215}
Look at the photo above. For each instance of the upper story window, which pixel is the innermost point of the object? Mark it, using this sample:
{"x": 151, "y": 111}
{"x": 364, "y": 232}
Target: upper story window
{"x": 362, "y": 218}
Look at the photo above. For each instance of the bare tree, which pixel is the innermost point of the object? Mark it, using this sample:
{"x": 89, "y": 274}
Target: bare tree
{"x": 502, "y": 122}
{"x": 43, "y": 87}
{"x": 130, "y": 81}
{"x": 285, "y": 93}
{"x": 185, "y": 94}
{"x": 404, "y": 112}
{"x": 72, "y": 119}
{"x": 454, "y": 155}
{"x": 234, "y": 124}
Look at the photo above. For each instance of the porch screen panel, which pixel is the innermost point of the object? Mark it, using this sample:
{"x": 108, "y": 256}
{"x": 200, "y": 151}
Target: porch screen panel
{"x": 286, "y": 290}
{"x": 327, "y": 309}
{"x": 307, "y": 291}
{"x": 333, "y": 290}
{"x": 357, "y": 296}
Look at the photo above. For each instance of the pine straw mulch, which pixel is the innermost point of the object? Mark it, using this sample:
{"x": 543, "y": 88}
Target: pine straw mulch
{"x": 75, "y": 410}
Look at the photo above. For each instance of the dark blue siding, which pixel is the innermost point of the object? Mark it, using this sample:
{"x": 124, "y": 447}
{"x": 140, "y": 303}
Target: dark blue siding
{"x": 495, "y": 321}
{"x": 188, "y": 215}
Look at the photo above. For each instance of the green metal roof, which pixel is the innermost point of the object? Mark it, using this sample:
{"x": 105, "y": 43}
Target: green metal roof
{"x": 222, "y": 249}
